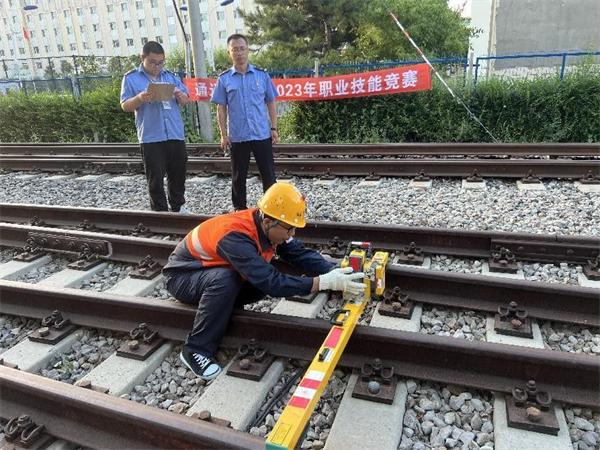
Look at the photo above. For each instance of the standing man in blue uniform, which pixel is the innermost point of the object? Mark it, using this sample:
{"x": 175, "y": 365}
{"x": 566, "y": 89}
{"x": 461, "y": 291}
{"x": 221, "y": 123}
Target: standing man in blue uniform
{"x": 247, "y": 118}
{"x": 159, "y": 128}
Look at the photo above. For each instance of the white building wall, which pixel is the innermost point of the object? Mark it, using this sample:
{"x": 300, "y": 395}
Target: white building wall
{"x": 62, "y": 28}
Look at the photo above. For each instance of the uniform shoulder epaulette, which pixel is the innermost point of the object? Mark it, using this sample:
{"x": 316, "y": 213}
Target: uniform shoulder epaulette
{"x": 130, "y": 72}
{"x": 260, "y": 68}
{"x": 224, "y": 72}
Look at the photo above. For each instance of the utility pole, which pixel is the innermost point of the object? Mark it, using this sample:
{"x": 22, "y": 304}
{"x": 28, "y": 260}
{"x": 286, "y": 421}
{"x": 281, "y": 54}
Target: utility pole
{"x": 199, "y": 57}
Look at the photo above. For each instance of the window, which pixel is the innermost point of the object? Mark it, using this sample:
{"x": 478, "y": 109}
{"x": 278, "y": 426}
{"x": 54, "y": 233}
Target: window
{"x": 139, "y": 5}
{"x": 40, "y": 18}
{"x": 85, "y": 46}
{"x": 95, "y": 26}
{"x": 1, "y": 52}
{"x": 38, "y": 65}
{"x": 159, "y": 39}
{"x": 236, "y": 14}
{"x": 43, "y": 33}
{"x": 129, "y": 42}
{"x": 47, "y": 48}
{"x": 127, "y": 24}
{"x": 28, "y": 19}
{"x": 144, "y": 40}
{"x": 60, "y": 48}
{"x": 21, "y": 51}
{"x": 69, "y": 30}
{"x": 109, "y": 8}
{"x": 52, "y": 15}
{"x": 172, "y": 39}
{"x": 115, "y": 43}
{"x": 171, "y": 20}
{"x": 154, "y": 3}
{"x": 220, "y": 15}
{"x": 36, "y": 50}
{"x": 31, "y": 33}
{"x": 156, "y": 22}
{"x": 92, "y": 10}
{"x": 112, "y": 26}
{"x": 141, "y": 23}
{"x": 12, "y": 53}
{"x": 82, "y": 29}
{"x": 66, "y": 13}
{"x": 56, "y": 32}
{"x": 123, "y": 6}
{"x": 73, "y": 46}
{"x": 98, "y": 44}
{"x": 222, "y": 34}
{"x": 80, "y": 12}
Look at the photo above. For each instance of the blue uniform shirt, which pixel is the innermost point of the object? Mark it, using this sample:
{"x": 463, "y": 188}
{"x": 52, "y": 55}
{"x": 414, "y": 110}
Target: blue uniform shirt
{"x": 154, "y": 121}
{"x": 245, "y": 96}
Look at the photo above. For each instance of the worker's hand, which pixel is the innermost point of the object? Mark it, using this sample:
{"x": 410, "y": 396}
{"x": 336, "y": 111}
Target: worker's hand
{"x": 145, "y": 97}
{"x": 180, "y": 96}
{"x": 274, "y": 137}
{"x": 225, "y": 143}
{"x": 342, "y": 280}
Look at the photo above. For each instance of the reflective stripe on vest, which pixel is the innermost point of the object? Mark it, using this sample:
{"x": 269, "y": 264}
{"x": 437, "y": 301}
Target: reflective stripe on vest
{"x": 203, "y": 240}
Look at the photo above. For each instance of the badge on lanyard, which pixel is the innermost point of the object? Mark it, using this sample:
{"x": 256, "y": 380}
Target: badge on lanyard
{"x": 166, "y": 104}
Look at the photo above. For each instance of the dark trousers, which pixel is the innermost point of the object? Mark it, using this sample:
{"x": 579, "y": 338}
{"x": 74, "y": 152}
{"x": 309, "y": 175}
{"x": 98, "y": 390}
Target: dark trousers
{"x": 240, "y": 160}
{"x": 216, "y": 291}
{"x": 160, "y": 159}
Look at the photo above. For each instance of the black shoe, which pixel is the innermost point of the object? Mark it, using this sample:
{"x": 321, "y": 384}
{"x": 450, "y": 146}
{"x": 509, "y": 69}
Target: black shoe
{"x": 203, "y": 366}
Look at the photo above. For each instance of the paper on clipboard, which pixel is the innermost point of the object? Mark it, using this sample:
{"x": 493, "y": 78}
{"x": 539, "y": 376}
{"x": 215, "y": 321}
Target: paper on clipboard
{"x": 162, "y": 91}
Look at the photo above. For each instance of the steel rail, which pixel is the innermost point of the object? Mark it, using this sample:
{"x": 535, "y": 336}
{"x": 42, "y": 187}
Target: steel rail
{"x": 384, "y": 167}
{"x": 477, "y": 244}
{"x": 569, "y": 377}
{"x": 95, "y": 420}
{"x": 392, "y": 149}
{"x": 573, "y": 304}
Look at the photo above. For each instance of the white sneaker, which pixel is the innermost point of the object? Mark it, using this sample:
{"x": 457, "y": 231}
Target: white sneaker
{"x": 184, "y": 210}
{"x": 202, "y": 366}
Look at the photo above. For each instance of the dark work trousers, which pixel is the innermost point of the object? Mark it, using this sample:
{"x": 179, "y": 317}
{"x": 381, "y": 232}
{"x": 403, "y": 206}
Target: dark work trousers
{"x": 240, "y": 160}
{"x": 160, "y": 159}
{"x": 216, "y": 291}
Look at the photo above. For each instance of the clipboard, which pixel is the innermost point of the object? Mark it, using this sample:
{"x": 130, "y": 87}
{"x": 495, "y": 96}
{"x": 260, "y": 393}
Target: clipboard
{"x": 162, "y": 91}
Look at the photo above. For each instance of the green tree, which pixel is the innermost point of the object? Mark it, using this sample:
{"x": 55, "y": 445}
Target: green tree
{"x": 88, "y": 65}
{"x": 222, "y": 60}
{"x": 176, "y": 60}
{"x": 295, "y": 32}
{"x": 438, "y": 30}
{"x": 292, "y": 34}
{"x": 66, "y": 68}
{"x": 119, "y": 65}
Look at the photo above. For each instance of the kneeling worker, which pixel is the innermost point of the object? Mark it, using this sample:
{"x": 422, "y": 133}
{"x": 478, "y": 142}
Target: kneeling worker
{"x": 225, "y": 262}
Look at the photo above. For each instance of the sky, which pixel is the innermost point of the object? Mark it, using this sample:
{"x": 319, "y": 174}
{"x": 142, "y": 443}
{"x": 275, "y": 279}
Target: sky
{"x": 457, "y": 4}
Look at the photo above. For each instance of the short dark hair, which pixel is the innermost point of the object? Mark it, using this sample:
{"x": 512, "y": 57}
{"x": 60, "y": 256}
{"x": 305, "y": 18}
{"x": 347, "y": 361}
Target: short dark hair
{"x": 152, "y": 47}
{"x": 237, "y": 36}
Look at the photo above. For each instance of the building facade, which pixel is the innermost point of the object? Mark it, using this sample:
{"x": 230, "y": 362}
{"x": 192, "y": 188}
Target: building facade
{"x": 509, "y": 27}
{"x": 33, "y": 32}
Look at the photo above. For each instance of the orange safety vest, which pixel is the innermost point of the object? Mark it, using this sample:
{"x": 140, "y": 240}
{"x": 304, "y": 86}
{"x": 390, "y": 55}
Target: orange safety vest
{"x": 203, "y": 240}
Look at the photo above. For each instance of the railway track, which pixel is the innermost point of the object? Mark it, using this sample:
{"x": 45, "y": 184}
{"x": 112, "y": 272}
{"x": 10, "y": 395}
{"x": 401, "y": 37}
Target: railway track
{"x": 327, "y": 167}
{"x": 98, "y": 420}
{"x": 332, "y": 236}
{"x": 432, "y": 149}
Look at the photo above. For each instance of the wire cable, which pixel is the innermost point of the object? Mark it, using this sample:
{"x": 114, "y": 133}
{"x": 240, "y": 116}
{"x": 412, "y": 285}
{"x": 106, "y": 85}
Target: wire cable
{"x": 454, "y": 96}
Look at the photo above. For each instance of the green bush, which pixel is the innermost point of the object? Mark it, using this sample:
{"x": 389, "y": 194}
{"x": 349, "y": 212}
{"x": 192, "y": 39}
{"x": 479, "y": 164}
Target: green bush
{"x": 535, "y": 110}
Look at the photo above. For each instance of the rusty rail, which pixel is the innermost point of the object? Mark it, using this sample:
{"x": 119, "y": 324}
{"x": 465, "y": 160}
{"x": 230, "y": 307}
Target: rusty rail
{"x": 351, "y": 167}
{"x": 572, "y": 304}
{"x": 476, "y": 244}
{"x": 391, "y": 149}
{"x": 570, "y": 378}
{"x": 95, "y": 420}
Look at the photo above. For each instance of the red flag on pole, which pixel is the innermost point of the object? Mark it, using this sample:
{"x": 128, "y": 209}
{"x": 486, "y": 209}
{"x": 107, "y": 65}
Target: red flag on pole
{"x": 25, "y": 33}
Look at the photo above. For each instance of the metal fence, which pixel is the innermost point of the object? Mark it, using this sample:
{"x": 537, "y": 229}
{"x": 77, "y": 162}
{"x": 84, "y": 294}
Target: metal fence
{"x": 527, "y": 65}
{"x": 505, "y": 66}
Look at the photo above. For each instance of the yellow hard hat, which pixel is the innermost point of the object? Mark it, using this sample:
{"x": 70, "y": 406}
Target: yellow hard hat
{"x": 284, "y": 202}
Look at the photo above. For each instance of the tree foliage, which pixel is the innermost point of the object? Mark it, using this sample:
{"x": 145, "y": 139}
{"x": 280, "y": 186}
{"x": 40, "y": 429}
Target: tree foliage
{"x": 292, "y": 34}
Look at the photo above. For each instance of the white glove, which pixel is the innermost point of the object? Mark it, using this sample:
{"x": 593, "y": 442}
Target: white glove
{"x": 342, "y": 280}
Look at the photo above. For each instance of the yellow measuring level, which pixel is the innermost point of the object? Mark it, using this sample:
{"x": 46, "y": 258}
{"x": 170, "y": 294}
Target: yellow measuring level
{"x": 297, "y": 412}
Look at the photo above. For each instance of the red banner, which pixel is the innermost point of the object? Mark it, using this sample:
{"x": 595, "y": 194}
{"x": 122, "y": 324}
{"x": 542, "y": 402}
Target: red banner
{"x": 379, "y": 82}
